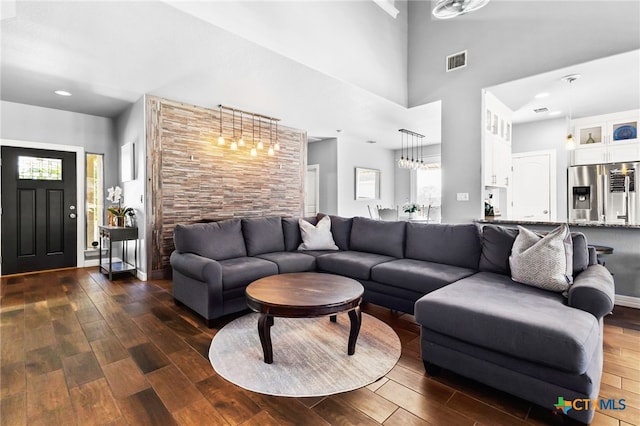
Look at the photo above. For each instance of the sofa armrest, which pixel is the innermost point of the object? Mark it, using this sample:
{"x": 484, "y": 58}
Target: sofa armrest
{"x": 196, "y": 267}
{"x": 593, "y": 291}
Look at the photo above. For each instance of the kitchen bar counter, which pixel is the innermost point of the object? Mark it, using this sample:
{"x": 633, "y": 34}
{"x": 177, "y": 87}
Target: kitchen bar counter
{"x": 498, "y": 221}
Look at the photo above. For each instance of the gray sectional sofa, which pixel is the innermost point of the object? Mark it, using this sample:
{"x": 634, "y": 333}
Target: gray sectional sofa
{"x": 474, "y": 319}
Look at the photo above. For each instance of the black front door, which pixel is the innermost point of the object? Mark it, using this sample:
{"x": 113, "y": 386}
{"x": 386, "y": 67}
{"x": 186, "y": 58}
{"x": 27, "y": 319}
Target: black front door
{"x": 39, "y": 228}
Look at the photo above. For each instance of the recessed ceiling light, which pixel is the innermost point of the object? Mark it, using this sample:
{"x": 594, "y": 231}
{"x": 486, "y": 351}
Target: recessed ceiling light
{"x": 541, "y": 95}
{"x": 555, "y": 113}
{"x": 62, "y": 93}
{"x": 371, "y": 142}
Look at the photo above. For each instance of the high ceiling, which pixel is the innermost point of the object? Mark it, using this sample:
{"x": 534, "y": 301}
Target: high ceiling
{"x": 108, "y": 54}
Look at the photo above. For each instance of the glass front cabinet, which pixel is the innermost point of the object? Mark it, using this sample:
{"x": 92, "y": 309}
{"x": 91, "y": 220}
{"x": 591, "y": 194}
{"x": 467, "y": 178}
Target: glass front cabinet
{"x": 610, "y": 138}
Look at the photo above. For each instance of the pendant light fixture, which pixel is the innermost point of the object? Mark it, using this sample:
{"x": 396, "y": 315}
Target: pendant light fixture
{"x": 271, "y": 150}
{"x": 254, "y": 151}
{"x": 447, "y": 9}
{"x": 220, "y": 138}
{"x": 241, "y": 140}
{"x": 411, "y": 150}
{"x": 257, "y": 144}
{"x": 276, "y": 145}
{"x": 234, "y": 144}
{"x": 570, "y": 143}
{"x": 260, "y": 144}
{"x": 401, "y": 160}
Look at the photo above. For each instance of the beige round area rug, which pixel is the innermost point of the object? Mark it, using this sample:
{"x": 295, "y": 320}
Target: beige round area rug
{"x": 309, "y": 355}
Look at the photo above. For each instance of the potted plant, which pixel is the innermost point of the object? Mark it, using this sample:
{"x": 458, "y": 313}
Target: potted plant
{"x": 411, "y": 208}
{"x": 119, "y": 212}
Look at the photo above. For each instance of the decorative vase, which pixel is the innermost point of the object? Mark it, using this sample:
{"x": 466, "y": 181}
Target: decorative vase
{"x": 590, "y": 140}
{"x": 120, "y": 221}
{"x": 412, "y": 215}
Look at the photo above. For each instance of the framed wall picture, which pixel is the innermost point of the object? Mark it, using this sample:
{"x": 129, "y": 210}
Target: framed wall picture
{"x": 367, "y": 184}
{"x": 127, "y": 162}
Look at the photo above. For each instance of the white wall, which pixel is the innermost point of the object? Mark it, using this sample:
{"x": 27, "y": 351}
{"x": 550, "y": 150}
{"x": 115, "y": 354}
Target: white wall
{"x": 325, "y": 154}
{"x": 546, "y": 135}
{"x": 323, "y": 36}
{"x": 355, "y": 153}
{"x": 560, "y": 33}
{"x": 130, "y": 128}
{"x": 28, "y": 123}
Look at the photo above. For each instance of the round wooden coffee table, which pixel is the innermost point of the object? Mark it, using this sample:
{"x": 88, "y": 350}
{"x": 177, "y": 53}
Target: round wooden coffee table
{"x": 304, "y": 295}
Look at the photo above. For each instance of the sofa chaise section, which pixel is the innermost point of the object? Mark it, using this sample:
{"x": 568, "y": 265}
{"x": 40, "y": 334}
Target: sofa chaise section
{"x": 527, "y": 341}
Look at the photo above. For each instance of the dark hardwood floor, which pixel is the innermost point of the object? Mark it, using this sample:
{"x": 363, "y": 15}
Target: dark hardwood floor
{"x": 76, "y": 348}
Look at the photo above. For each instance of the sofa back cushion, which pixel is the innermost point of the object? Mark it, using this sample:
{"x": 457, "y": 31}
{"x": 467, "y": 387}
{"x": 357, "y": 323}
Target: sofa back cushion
{"x": 263, "y": 235}
{"x": 341, "y": 230}
{"x": 498, "y": 240}
{"x": 456, "y": 245}
{"x": 216, "y": 240}
{"x": 291, "y": 231}
{"x": 376, "y": 236}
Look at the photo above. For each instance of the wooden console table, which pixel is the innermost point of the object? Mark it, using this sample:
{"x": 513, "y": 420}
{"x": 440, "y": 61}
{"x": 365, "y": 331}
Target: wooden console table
{"x": 118, "y": 234}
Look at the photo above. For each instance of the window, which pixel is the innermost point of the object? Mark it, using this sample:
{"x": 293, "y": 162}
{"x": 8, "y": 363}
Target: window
{"x": 429, "y": 189}
{"x": 95, "y": 198}
{"x": 36, "y": 168}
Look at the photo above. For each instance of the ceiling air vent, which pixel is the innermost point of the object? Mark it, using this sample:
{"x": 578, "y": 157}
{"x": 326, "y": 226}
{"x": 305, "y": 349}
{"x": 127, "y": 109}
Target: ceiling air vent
{"x": 457, "y": 60}
{"x": 541, "y": 110}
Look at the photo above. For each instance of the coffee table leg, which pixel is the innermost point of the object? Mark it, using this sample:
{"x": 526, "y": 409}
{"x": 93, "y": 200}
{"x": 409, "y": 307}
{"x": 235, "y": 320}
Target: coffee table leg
{"x": 356, "y": 319}
{"x": 264, "y": 331}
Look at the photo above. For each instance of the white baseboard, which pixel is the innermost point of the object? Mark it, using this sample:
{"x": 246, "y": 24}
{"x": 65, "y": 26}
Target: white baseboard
{"x": 628, "y": 301}
{"x": 142, "y": 276}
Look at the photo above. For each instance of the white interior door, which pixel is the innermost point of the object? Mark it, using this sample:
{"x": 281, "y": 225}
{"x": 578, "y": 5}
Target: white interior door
{"x": 534, "y": 186}
{"x": 312, "y": 190}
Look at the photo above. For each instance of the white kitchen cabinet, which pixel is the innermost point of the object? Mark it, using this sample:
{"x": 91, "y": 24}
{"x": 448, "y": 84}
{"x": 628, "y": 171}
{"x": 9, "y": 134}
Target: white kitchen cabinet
{"x": 497, "y": 163}
{"x": 608, "y": 138}
{"x": 496, "y": 142}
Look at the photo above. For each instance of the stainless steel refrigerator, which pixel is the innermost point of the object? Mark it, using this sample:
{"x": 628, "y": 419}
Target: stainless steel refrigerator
{"x": 605, "y": 193}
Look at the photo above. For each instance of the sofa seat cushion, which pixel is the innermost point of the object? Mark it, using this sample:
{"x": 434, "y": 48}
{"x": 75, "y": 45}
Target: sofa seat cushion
{"x": 290, "y": 261}
{"x": 352, "y": 264}
{"x": 242, "y": 271}
{"x": 417, "y": 275}
{"x": 493, "y": 312}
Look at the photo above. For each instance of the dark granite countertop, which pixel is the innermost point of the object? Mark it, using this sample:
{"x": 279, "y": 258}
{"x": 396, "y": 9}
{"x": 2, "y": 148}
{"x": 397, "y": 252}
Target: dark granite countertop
{"x": 549, "y": 223}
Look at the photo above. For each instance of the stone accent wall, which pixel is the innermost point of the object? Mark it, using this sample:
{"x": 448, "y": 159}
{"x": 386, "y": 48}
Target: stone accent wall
{"x": 193, "y": 179}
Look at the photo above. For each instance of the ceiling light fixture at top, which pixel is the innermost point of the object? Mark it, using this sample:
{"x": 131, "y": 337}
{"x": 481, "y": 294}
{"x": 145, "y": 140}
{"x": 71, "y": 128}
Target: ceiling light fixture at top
{"x": 62, "y": 93}
{"x": 447, "y": 9}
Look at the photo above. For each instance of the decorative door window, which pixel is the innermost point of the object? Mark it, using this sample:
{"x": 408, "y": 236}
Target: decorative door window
{"x": 37, "y": 168}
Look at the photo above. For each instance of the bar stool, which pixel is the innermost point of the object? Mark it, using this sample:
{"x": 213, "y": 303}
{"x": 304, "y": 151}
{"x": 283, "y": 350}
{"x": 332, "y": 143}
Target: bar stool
{"x": 600, "y": 250}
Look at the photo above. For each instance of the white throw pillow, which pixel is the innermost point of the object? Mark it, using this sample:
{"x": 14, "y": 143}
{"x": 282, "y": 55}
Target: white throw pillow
{"x": 317, "y": 237}
{"x": 544, "y": 262}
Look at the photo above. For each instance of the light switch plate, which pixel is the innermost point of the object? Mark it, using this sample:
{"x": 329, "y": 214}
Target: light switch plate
{"x": 462, "y": 196}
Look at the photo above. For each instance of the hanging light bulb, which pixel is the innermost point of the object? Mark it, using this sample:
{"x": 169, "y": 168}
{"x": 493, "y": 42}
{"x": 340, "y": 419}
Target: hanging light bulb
{"x": 570, "y": 143}
{"x": 276, "y": 146}
{"x": 260, "y": 145}
{"x": 220, "y": 138}
{"x": 270, "y": 151}
{"x": 254, "y": 151}
{"x": 234, "y": 144}
{"x": 401, "y": 160}
{"x": 241, "y": 140}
